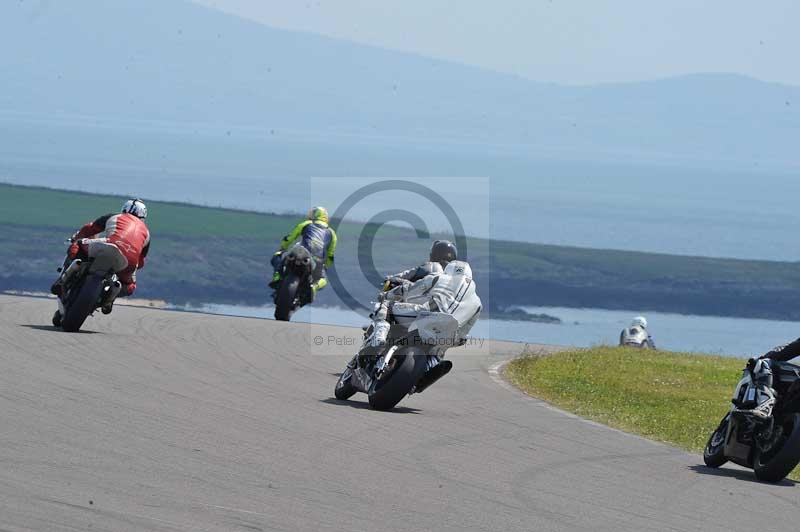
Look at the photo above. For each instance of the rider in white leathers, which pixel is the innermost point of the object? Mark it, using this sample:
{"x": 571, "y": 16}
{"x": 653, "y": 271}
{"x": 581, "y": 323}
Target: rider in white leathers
{"x": 636, "y": 334}
{"x": 452, "y": 292}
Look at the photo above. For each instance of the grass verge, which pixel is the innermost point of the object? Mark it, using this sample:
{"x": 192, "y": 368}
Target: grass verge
{"x": 675, "y": 398}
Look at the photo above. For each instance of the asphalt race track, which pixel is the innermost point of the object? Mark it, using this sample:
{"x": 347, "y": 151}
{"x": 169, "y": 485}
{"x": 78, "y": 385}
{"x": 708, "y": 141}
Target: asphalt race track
{"x": 159, "y": 421}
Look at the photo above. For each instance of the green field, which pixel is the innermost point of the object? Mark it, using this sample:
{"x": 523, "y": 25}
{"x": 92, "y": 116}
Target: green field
{"x": 676, "y": 398}
{"x": 212, "y": 255}
{"x": 55, "y": 208}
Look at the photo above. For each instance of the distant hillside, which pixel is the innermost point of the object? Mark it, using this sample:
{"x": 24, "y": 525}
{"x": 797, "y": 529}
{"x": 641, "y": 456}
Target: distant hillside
{"x": 128, "y": 62}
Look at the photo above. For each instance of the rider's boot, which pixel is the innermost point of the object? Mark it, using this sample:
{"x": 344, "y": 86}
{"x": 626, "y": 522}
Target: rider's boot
{"x": 57, "y": 288}
{"x": 276, "y": 265}
{"x": 69, "y": 268}
{"x": 113, "y": 292}
{"x": 276, "y": 279}
{"x": 316, "y": 286}
{"x": 380, "y": 333}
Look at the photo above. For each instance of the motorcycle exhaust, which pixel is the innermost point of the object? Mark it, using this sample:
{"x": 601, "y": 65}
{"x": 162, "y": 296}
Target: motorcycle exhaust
{"x": 434, "y": 374}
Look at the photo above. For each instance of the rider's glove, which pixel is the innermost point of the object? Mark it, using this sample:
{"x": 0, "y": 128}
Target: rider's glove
{"x": 399, "y": 291}
{"x": 128, "y": 289}
{"x": 391, "y": 282}
{"x": 751, "y": 363}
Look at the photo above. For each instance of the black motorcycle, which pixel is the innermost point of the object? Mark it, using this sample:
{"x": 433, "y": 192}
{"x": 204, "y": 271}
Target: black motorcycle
{"x": 762, "y": 431}
{"x": 294, "y": 289}
{"x": 87, "y": 287}
{"x": 407, "y": 364}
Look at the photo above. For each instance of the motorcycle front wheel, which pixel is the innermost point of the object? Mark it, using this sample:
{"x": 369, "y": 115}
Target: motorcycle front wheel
{"x": 714, "y": 452}
{"x": 784, "y": 454}
{"x": 344, "y": 387}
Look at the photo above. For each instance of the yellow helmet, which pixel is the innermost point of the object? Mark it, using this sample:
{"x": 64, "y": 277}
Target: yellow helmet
{"x": 318, "y": 214}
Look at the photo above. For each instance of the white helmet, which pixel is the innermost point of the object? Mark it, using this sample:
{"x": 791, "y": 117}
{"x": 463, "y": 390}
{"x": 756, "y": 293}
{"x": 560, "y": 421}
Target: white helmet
{"x": 458, "y": 267}
{"x": 135, "y": 207}
{"x": 639, "y": 321}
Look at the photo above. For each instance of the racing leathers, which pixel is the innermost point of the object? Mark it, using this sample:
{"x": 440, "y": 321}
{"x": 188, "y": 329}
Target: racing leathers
{"x": 782, "y": 353}
{"x": 436, "y": 292}
{"x": 416, "y": 274}
{"x": 636, "y": 336}
{"x": 319, "y": 239}
{"x": 124, "y": 249}
{"x": 762, "y": 371}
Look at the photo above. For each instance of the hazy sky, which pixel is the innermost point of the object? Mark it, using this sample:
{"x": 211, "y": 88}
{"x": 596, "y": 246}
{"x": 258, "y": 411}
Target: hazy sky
{"x": 565, "y": 41}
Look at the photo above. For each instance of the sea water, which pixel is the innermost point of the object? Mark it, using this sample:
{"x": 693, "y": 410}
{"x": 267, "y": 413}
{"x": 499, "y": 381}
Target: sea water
{"x": 585, "y": 328}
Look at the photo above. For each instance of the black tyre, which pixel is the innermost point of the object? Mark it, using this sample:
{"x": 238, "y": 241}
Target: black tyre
{"x": 410, "y": 365}
{"x": 774, "y": 465}
{"x": 344, "y": 388}
{"x": 285, "y": 298}
{"x": 714, "y": 452}
{"x": 82, "y": 304}
{"x": 57, "y": 319}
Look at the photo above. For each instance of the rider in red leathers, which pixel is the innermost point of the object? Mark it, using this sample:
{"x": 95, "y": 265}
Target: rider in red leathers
{"x": 125, "y": 246}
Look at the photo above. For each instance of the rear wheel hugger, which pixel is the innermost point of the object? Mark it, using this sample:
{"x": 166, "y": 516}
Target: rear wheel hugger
{"x": 83, "y": 304}
{"x": 284, "y": 299}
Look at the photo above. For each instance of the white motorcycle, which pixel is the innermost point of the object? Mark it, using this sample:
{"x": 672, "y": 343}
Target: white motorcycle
{"x": 412, "y": 358}
{"x": 635, "y": 337}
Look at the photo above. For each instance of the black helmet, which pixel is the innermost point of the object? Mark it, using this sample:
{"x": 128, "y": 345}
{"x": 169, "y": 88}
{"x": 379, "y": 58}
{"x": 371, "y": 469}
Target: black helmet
{"x": 443, "y": 251}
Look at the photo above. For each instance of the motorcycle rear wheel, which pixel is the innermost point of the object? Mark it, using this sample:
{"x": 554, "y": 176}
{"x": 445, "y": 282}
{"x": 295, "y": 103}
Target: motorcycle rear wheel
{"x": 385, "y": 393}
{"x": 83, "y": 304}
{"x": 777, "y": 465}
{"x": 285, "y": 298}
